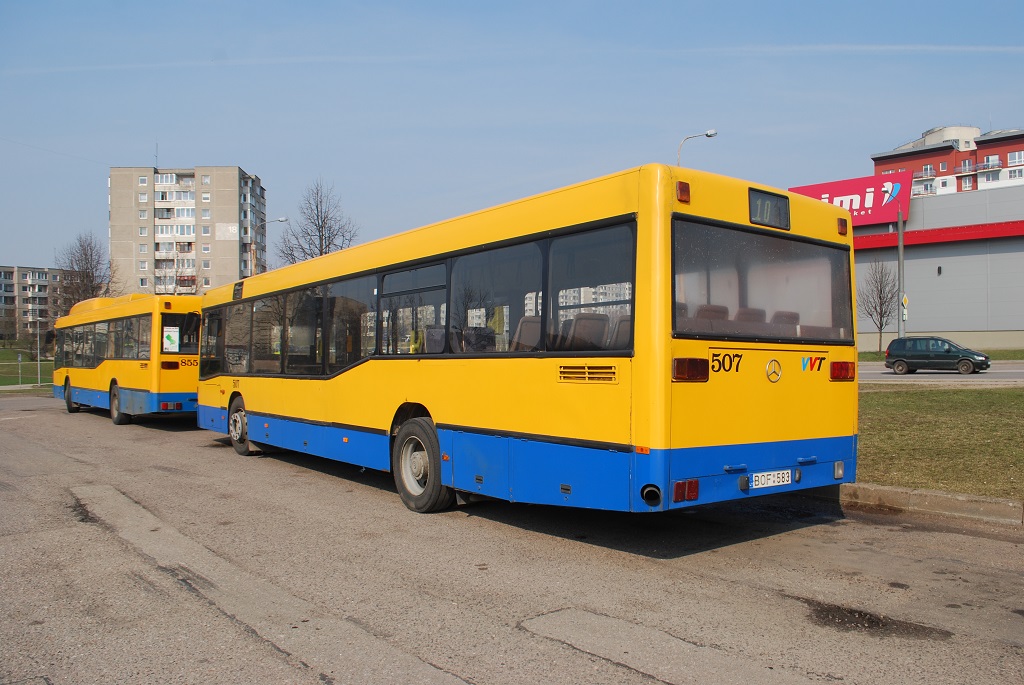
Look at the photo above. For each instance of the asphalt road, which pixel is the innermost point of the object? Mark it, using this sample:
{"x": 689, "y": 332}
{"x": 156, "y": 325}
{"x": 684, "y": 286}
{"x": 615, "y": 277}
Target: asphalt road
{"x": 153, "y": 553}
{"x": 1001, "y": 373}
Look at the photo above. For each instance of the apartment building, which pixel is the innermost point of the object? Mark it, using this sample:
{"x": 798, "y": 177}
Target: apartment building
{"x": 183, "y": 231}
{"x": 957, "y": 159}
{"x": 27, "y": 294}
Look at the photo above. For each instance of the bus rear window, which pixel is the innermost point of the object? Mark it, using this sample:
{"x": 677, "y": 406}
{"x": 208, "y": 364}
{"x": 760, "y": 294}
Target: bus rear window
{"x": 179, "y": 333}
{"x": 737, "y": 283}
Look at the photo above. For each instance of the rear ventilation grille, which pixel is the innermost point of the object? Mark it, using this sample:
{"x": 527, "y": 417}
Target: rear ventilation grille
{"x": 587, "y": 374}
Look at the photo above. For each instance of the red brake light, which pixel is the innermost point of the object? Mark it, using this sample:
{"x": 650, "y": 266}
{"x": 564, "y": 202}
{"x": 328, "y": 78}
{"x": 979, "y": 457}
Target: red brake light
{"x": 690, "y": 369}
{"x": 843, "y": 371}
{"x": 842, "y": 227}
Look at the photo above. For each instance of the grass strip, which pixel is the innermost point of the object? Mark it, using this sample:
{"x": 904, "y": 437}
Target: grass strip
{"x": 965, "y": 441}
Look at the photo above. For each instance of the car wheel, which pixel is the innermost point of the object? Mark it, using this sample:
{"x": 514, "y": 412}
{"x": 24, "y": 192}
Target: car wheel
{"x": 965, "y": 367}
{"x": 900, "y": 367}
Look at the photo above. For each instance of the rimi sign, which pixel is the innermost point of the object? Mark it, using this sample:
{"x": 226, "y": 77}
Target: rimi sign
{"x": 869, "y": 199}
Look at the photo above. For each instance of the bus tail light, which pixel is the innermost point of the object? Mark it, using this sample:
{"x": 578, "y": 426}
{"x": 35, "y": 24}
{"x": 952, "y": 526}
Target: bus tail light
{"x": 842, "y": 226}
{"x": 690, "y": 369}
{"x": 169, "y": 406}
{"x": 843, "y": 371}
{"x": 168, "y": 366}
{"x": 685, "y": 490}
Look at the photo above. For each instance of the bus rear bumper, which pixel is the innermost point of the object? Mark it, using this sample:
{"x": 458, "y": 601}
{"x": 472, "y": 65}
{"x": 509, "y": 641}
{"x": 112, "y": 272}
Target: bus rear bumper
{"x": 738, "y": 472}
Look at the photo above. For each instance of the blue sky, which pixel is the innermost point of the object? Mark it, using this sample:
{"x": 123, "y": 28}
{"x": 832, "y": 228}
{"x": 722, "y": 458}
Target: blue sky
{"x": 420, "y": 111}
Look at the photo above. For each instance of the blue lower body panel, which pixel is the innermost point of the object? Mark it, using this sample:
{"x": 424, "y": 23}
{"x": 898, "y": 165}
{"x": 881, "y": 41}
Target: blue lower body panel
{"x": 133, "y": 401}
{"x": 362, "y": 447}
{"x": 535, "y": 471}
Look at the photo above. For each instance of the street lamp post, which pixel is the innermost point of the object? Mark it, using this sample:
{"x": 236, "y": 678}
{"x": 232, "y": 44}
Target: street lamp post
{"x": 710, "y": 133}
{"x": 252, "y": 241}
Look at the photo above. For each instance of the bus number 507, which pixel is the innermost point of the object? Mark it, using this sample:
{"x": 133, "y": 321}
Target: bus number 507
{"x": 725, "y": 362}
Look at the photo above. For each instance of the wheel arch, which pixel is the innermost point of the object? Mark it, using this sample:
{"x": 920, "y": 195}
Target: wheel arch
{"x": 406, "y": 411}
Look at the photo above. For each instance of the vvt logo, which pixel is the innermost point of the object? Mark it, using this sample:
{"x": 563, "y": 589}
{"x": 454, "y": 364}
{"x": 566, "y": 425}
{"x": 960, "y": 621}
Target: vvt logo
{"x": 891, "y": 190}
{"x": 812, "y": 363}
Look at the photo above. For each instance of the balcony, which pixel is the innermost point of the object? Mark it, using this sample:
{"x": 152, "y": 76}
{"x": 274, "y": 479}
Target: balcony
{"x": 997, "y": 164}
{"x": 926, "y": 173}
{"x": 965, "y": 170}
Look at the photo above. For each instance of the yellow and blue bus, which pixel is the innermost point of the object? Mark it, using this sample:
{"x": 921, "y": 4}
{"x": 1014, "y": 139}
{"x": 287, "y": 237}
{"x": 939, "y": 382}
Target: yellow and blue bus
{"x": 650, "y": 340}
{"x": 136, "y": 354}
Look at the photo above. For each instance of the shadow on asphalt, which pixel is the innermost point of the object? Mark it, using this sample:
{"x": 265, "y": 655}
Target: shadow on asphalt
{"x": 663, "y": 535}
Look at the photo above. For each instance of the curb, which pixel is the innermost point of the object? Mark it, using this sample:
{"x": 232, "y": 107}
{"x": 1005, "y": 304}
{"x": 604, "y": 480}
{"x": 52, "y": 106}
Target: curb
{"x": 952, "y": 505}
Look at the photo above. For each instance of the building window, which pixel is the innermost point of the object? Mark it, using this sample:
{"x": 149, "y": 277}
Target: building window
{"x": 206, "y": 230}
{"x": 1015, "y": 174}
{"x": 206, "y": 282}
{"x": 943, "y": 183}
{"x": 143, "y": 248}
{"x": 206, "y": 179}
{"x": 991, "y": 176}
{"x": 143, "y": 230}
{"x": 143, "y": 197}
{"x": 206, "y": 263}
{"x": 206, "y": 248}
{"x": 143, "y": 265}
{"x": 942, "y": 166}
{"x": 968, "y": 183}
{"x": 143, "y": 214}
{"x": 143, "y": 180}
{"x": 168, "y": 179}
{"x": 143, "y": 282}
{"x": 206, "y": 197}
{"x": 1015, "y": 158}
{"x": 928, "y": 170}
{"x": 206, "y": 214}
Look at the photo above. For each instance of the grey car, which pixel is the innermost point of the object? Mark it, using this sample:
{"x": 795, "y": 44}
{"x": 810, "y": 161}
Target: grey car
{"x": 907, "y": 355}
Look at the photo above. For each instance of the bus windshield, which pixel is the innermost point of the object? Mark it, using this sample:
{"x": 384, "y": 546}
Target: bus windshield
{"x": 737, "y": 283}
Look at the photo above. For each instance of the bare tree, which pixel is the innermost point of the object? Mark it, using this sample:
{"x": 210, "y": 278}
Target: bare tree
{"x": 322, "y": 226}
{"x": 86, "y": 272}
{"x": 878, "y": 297}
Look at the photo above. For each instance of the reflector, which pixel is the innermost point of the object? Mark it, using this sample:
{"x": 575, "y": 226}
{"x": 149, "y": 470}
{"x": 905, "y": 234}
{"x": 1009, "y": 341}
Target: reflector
{"x": 690, "y": 369}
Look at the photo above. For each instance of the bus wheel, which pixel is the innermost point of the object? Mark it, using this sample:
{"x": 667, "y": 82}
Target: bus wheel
{"x": 238, "y": 427}
{"x": 73, "y": 407}
{"x": 416, "y": 463}
{"x": 116, "y": 415}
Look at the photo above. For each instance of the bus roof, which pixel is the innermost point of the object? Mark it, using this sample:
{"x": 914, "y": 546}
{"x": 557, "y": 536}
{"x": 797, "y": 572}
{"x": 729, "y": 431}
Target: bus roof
{"x": 597, "y": 199}
{"x": 102, "y": 308}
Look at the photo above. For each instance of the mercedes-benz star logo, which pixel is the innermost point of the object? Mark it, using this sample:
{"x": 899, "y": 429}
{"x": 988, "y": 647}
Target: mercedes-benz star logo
{"x": 773, "y": 371}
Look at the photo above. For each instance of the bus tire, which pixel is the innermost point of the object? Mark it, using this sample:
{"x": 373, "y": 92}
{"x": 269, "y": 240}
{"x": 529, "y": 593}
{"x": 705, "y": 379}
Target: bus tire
{"x": 238, "y": 427}
{"x": 73, "y": 407}
{"x": 416, "y": 466}
{"x": 116, "y": 415}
